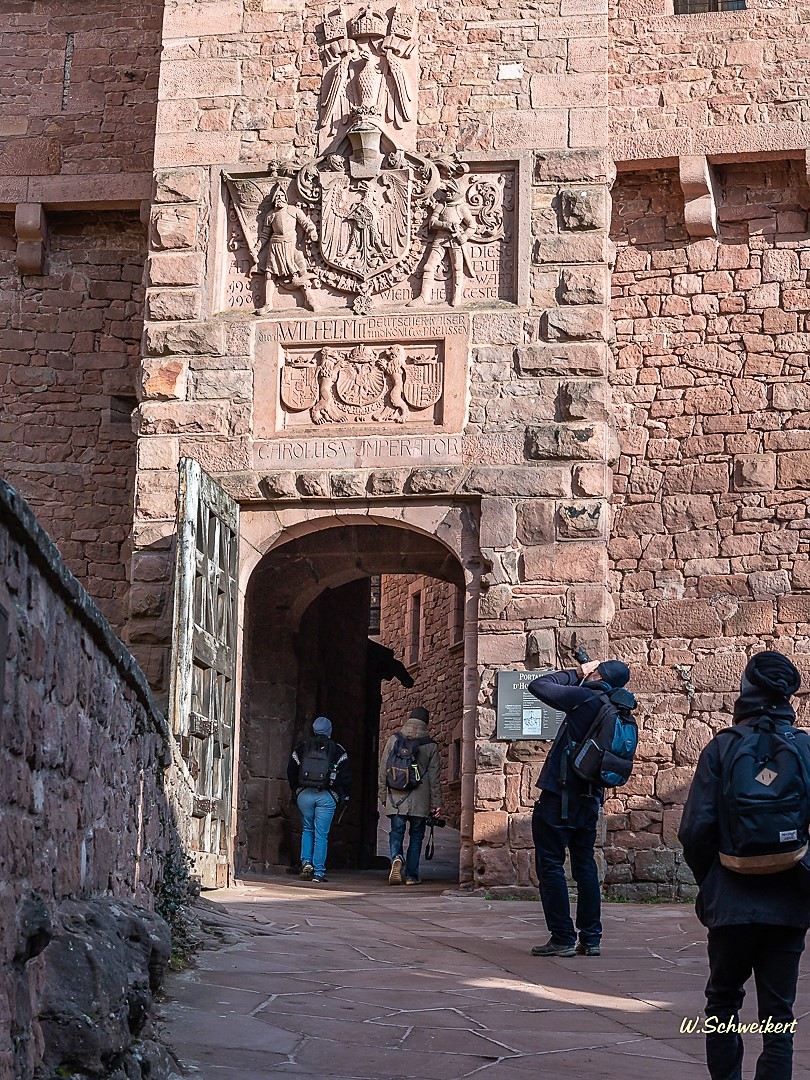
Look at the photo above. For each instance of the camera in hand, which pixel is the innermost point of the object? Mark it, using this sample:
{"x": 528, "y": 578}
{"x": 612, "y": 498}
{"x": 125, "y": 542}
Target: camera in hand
{"x": 435, "y": 822}
{"x": 581, "y": 656}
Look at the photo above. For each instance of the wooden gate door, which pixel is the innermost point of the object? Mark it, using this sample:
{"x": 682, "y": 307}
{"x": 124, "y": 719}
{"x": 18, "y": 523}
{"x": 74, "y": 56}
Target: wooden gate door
{"x": 204, "y": 659}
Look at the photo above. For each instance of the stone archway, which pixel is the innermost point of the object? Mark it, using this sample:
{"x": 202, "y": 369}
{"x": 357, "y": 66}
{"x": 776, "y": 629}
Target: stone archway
{"x": 304, "y": 651}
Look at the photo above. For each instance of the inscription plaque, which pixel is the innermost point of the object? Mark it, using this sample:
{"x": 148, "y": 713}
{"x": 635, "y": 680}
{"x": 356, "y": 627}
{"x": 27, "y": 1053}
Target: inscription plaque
{"x": 353, "y": 371}
{"x": 520, "y": 715}
{"x": 374, "y": 451}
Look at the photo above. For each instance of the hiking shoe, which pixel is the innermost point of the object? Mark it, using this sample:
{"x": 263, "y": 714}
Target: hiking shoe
{"x": 553, "y": 948}
{"x": 395, "y": 876}
{"x": 588, "y": 950}
{"x": 413, "y": 881}
{"x": 307, "y": 870}
{"x": 319, "y": 879}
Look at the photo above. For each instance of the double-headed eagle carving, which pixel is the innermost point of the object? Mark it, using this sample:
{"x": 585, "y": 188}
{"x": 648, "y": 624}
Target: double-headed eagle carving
{"x": 365, "y": 67}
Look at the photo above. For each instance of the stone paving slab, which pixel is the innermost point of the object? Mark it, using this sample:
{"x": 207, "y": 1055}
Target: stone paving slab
{"x": 359, "y": 981}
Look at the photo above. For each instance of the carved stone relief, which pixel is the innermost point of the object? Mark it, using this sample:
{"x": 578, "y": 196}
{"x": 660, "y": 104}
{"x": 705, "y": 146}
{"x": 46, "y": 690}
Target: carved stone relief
{"x": 370, "y": 70}
{"x": 370, "y": 222}
{"x": 388, "y": 229}
{"x": 356, "y": 373}
{"x": 362, "y": 384}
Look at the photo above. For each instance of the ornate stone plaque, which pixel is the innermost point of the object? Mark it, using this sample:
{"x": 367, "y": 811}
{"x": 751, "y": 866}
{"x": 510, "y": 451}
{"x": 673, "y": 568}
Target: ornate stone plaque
{"x": 368, "y": 222}
{"x": 407, "y": 370}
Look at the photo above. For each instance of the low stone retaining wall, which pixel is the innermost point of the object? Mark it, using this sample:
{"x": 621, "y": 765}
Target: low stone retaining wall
{"x": 83, "y": 810}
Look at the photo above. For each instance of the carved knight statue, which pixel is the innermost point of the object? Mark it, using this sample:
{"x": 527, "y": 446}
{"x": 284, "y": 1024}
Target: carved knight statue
{"x": 280, "y": 259}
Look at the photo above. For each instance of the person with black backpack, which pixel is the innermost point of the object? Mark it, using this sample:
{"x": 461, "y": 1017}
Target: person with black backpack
{"x": 744, "y": 833}
{"x": 593, "y": 750}
{"x": 409, "y": 788}
{"x": 319, "y": 776}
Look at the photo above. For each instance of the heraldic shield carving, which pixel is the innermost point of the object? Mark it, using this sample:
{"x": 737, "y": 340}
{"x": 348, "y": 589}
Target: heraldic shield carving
{"x": 361, "y": 217}
{"x": 363, "y": 384}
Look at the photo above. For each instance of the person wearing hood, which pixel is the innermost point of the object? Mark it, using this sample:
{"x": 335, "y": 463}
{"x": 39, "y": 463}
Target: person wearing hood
{"x": 319, "y": 776}
{"x": 756, "y": 922}
{"x": 411, "y": 808}
{"x": 567, "y": 812}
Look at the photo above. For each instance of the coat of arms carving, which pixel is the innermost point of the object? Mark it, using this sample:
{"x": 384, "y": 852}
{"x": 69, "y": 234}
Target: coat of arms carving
{"x": 369, "y": 216}
{"x": 363, "y": 384}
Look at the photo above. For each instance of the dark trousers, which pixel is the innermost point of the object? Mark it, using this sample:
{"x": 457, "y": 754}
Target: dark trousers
{"x": 772, "y": 955}
{"x": 551, "y": 837}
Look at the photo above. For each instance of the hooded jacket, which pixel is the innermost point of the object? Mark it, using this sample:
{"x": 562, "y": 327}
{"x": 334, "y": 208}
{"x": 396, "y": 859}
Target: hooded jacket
{"x": 726, "y": 898}
{"x": 580, "y": 702}
{"x": 420, "y": 801}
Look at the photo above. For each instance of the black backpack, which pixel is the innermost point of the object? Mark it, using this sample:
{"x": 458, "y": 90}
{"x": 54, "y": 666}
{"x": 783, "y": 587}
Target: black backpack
{"x": 402, "y": 772}
{"x": 316, "y": 767}
{"x": 765, "y": 797}
{"x": 604, "y": 758}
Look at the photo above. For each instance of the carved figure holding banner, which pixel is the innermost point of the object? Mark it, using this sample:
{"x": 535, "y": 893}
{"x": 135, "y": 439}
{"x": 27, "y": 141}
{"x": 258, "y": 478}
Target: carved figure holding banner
{"x": 280, "y": 259}
{"x": 452, "y": 225}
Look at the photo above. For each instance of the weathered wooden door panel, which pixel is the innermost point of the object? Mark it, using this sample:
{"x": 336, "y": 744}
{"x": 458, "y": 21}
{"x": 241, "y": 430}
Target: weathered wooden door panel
{"x": 203, "y": 660}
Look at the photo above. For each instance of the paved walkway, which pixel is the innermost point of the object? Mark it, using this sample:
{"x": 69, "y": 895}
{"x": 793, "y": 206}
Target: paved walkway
{"x": 355, "y": 979}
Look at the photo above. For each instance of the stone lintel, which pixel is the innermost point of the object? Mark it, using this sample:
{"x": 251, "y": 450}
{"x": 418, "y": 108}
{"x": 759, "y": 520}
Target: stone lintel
{"x": 100, "y": 191}
{"x": 700, "y": 199}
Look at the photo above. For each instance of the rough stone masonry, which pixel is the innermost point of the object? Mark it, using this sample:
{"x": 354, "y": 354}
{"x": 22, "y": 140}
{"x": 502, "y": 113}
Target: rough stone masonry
{"x": 470, "y": 269}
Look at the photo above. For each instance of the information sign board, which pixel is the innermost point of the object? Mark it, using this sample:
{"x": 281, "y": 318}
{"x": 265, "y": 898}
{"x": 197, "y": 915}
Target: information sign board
{"x": 520, "y": 715}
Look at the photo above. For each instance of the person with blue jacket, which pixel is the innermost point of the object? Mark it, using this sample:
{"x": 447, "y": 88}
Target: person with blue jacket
{"x": 567, "y": 811}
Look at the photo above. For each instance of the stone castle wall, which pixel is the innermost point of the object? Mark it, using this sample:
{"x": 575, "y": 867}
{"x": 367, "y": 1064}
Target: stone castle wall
{"x": 438, "y": 673}
{"x": 69, "y": 353}
{"x": 709, "y": 548}
{"x": 727, "y": 82}
{"x": 84, "y": 811}
{"x": 79, "y": 97}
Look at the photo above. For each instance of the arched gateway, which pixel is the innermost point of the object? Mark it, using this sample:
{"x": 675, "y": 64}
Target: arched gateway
{"x": 307, "y": 651}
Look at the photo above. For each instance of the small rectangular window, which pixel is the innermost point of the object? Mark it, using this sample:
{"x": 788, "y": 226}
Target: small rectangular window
{"x": 414, "y": 627}
{"x": 702, "y": 7}
{"x": 374, "y": 604}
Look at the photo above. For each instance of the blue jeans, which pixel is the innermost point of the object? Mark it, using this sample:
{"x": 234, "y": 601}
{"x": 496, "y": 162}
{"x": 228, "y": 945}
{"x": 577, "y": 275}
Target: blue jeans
{"x": 551, "y": 837}
{"x": 317, "y": 810}
{"x": 416, "y": 835}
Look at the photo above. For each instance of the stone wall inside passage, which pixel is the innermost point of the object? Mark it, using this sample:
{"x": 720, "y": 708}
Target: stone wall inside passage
{"x": 83, "y": 810}
{"x": 709, "y": 548}
{"x": 436, "y": 666}
{"x": 69, "y": 352}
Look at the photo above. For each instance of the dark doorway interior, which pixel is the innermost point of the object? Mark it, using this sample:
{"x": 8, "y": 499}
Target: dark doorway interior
{"x": 308, "y": 653}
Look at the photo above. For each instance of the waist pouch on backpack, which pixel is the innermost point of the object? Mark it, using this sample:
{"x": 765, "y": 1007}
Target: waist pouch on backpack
{"x": 765, "y": 809}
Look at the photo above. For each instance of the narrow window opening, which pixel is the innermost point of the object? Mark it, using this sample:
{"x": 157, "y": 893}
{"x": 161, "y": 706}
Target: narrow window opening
{"x": 414, "y": 627}
{"x": 374, "y": 605}
{"x": 66, "y": 70}
{"x": 702, "y": 7}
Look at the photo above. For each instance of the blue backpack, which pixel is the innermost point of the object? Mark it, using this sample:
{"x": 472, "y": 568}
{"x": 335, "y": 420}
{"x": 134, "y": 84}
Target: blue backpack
{"x": 604, "y": 758}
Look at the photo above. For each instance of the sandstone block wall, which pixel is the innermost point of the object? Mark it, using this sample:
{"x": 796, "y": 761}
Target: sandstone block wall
{"x": 69, "y": 351}
{"x": 83, "y": 811}
{"x": 731, "y": 82}
{"x": 514, "y": 88}
{"x": 438, "y": 672}
{"x": 77, "y": 92}
{"x": 709, "y": 550}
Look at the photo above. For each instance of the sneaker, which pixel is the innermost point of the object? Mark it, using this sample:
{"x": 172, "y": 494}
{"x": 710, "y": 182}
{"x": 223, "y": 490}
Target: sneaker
{"x": 588, "y": 950}
{"x": 307, "y": 870}
{"x": 319, "y": 879}
{"x": 553, "y": 948}
{"x": 413, "y": 881}
{"x": 395, "y": 876}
